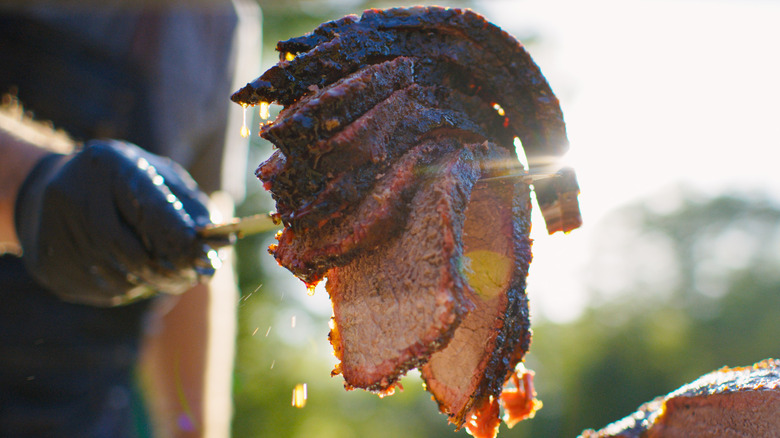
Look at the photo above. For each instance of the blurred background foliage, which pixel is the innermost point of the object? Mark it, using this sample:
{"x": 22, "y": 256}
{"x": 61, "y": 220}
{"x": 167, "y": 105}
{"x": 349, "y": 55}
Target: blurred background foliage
{"x": 676, "y": 289}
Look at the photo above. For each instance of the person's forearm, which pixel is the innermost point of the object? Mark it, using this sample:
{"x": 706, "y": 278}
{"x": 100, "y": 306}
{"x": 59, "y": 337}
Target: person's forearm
{"x": 22, "y": 143}
{"x": 173, "y": 361}
{"x": 18, "y": 158}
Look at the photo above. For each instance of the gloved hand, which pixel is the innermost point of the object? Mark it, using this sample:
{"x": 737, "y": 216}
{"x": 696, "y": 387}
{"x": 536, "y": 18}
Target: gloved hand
{"x": 112, "y": 223}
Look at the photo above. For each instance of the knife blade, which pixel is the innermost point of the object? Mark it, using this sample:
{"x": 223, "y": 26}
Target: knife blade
{"x": 241, "y": 227}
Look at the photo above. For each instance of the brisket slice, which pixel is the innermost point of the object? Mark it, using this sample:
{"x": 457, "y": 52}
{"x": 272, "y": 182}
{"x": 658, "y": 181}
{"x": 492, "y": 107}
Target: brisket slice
{"x": 410, "y": 107}
{"x": 317, "y": 116}
{"x": 341, "y": 193}
{"x": 730, "y": 402}
{"x": 494, "y": 337}
{"x": 464, "y": 22}
{"x": 397, "y": 304}
{"x": 382, "y": 134}
{"x": 309, "y": 193}
{"x": 309, "y": 253}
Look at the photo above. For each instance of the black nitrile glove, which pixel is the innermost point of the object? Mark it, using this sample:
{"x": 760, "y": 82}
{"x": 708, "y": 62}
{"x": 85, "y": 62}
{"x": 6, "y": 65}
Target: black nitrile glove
{"x": 112, "y": 223}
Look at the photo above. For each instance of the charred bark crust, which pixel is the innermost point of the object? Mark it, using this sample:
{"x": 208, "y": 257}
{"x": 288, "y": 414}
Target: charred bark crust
{"x": 397, "y": 179}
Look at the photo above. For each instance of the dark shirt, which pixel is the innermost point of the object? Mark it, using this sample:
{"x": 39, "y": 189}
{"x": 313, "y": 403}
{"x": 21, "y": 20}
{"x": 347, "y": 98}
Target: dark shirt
{"x": 160, "y": 78}
{"x": 65, "y": 369}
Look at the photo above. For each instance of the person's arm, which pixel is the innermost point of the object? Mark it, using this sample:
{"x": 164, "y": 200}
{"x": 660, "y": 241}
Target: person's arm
{"x": 174, "y": 353}
{"x": 186, "y": 366}
{"x": 22, "y": 144}
{"x": 104, "y": 225}
{"x": 173, "y": 364}
{"x": 18, "y": 159}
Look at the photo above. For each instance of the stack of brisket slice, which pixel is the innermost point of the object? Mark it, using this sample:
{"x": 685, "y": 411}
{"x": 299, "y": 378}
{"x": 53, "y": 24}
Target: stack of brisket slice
{"x": 730, "y": 402}
{"x": 396, "y": 177}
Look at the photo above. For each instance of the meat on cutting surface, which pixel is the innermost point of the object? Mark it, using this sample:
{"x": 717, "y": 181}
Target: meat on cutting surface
{"x": 397, "y": 179}
{"x": 730, "y": 402}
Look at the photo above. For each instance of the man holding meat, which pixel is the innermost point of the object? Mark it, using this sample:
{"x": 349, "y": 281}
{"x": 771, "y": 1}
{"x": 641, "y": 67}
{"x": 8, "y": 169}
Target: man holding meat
{"x": 103, "y": 267}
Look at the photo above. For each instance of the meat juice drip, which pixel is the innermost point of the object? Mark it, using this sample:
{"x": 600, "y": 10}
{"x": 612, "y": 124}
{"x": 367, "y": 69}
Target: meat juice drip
{"x": 264, "y": 114}
{"x": 265, "y": 110}
{"x": 244, "y": 129}
{"x": 390, "y": 390}
{"x": 520, "y": 402}
{"x": 484, "y": 422}
{"x": 299, "y": 395}
{"x": 338, "y": 350}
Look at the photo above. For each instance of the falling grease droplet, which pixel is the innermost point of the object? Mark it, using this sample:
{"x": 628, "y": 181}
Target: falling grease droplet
{"x": 499, "y": 109}
{"x": 299, "y": 395}
{"x": 264, "y": 110}
{"x": 244, "y": 129}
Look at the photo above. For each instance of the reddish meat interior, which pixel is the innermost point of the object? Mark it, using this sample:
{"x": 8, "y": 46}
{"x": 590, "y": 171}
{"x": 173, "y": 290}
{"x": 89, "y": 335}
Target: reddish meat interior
{"x": 410, "y": 286}
{"x": 454, "y": 374}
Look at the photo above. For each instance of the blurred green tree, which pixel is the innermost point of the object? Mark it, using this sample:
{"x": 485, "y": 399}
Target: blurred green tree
{"x": 712, "y": 302}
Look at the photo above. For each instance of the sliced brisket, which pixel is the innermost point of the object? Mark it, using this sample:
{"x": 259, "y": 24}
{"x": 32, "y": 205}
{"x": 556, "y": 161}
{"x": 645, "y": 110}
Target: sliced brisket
{"x": 493, "y": 338}
{"x": 345, "y": 165}
{"x": 310, "y": 252}
{"x": 411, "y": 287}
{"x": 537, "y": 119}
{"x": 396, "y": 178}
{"x": 468, "y": 53}
{"x": 523, "y": 92}
{"x": 317, "y": 116}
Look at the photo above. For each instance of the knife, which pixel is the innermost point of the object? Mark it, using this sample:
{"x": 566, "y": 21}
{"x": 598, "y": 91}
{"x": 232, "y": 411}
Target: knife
{"x": 241, "y": 227}
{"x": 264, "y": 222}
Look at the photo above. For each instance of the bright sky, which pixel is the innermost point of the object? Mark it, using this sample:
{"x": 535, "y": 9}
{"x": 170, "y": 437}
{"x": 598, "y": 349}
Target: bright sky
{"x": 654, "y": 92}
